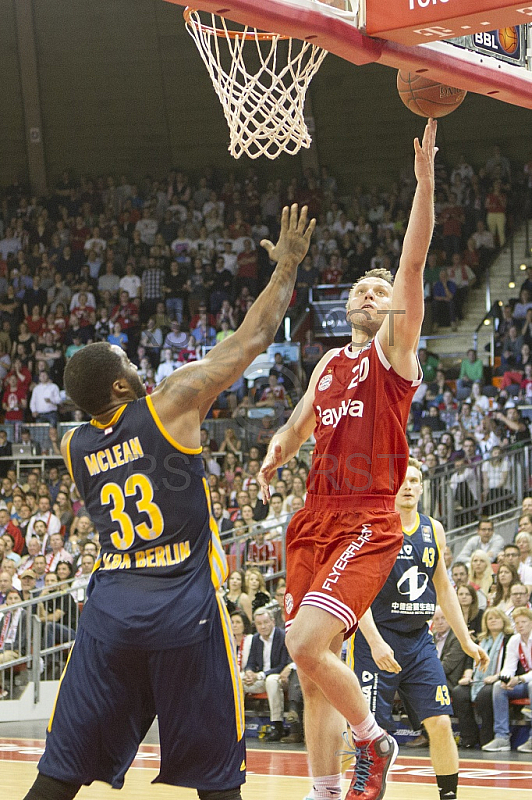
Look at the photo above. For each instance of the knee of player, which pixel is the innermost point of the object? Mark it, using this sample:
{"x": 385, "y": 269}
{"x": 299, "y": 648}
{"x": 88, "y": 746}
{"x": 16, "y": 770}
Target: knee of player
{"x": 303, "y": 651}
{"x": 438, "y": 725}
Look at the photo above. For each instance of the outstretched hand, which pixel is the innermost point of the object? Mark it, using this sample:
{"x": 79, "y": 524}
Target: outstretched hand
{"x": 479, "y": 656}
{"x": 273, "y": 459}
{"x": 426, "y": 152}
{"x": 294, "y": 239}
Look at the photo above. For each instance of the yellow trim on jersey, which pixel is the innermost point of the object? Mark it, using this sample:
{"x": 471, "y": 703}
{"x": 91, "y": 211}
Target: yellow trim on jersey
{"x": 70, "y": 434}
{"x": 414, "y": 529}
{"x": 432, "y": 521}
{"x": 217, "y": 559}
{"x": 49, "y": 728}
{"x": 192, "y": 451}
{"x": 238, "y": 692}
{"x": 114, "y": 419}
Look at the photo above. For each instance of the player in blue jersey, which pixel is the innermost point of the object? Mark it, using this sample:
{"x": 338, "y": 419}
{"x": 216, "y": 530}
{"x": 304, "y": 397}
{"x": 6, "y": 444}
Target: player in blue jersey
{"x": 393, "y": 649}
{"x": 154, "y": 637}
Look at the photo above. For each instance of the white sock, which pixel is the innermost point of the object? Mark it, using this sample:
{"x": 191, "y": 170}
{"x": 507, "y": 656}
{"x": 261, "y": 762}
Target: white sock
{"x": 326, "y": 787}
{"x": 367, "y": 730}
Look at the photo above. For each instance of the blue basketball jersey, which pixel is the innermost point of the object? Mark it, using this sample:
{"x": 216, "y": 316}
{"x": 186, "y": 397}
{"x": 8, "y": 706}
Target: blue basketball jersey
{"x": 161, "y": 560}
{"x": 408, "y": 598}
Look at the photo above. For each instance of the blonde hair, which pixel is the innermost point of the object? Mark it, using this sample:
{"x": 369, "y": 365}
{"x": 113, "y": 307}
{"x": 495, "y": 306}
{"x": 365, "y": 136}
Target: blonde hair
{"x": 485, "y": 581}
{"x": 524, "y": 535}
{"x": 258, "y": 573}
{"x": 413, "y": 462}
{"x": 383, "y": 274}
{"x": 522, "y": 611}
{"x": 495, "y": 612}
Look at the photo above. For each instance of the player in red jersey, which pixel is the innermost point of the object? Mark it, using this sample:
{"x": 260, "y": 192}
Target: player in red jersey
{"x": 342, "y": 545}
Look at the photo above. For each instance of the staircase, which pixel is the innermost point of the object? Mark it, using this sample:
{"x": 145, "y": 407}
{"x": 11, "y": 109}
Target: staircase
{"x": 452, "y": 347}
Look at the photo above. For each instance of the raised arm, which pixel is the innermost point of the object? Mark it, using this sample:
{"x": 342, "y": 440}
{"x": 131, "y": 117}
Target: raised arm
{"x": 399, "y": 335}
{"x": 197, "y": 385}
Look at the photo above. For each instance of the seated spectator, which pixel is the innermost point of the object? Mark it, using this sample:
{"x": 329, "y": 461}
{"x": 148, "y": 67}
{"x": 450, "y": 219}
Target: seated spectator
{"x": 524, "y": 540}
{"x": 261, "y": 552}
{"x": 191, "y": 351}
{"x": 267, "y": 669}
{"x": 81, "y": 581}
{"x": 515, "y": 429}
{"x": 58, "y": 552}
{"x": 9, "y": 542}
{"x": 260, "y": 509}
{"x": 471, "y": 370}
{"x": 519, "y": 596}
{"x": 459, "y": 574}
{"x": 151, "y": 339}
{"x": 484, "y": 243}
{"x": 241, "y": 627}
{"x": 58, "y": 615}
{"x": 473, "y": 695}
{"x": 506, "y": 577}
{"x": 45, "y": 400}
{"x": 495, "y": 484}
{"x": 468, "y": 599}
{"x": 515, "y": 683}
{"x": 450, "y": 653}
{"x": 6, "y": 585}
{"x": 485, "y": 539}
{"x": 166, "y": 367}
{"x": 39, "y": 568}
{"x": 43, "y": 513}
{"x": 481, "y": 575}
{"x": 273, "y": 396}
{"x": 443, "y": 304}
{"x": 522, "y": 307}
{"x": 13, "y": 634}
{"x": 235, "y": 597}
{"x": 465, "y": 489}
{"x": 34, "y": 548}
{"x": 118, "y": 337}
{"x": 511, "y": 555}
{"x": 28, "y": 582}
{"x": 222, "y": 519}
{"x": 14, "y": 546}
{"x": 255, "y": 588}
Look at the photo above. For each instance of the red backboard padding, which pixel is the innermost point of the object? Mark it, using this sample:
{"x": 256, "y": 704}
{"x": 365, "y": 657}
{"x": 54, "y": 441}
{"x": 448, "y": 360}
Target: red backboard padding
{"x": 413, "y": 22}
{"x": 453, "y": 67}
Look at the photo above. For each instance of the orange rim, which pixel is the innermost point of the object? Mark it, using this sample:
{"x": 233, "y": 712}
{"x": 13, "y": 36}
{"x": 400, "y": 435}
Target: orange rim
{"x": 223, "y": 33}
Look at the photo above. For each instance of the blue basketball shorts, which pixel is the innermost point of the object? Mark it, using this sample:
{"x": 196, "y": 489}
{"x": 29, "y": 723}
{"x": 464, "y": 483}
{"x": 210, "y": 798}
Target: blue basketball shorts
{"x": 109, "y": 696}
{"x": 421, "y": 683}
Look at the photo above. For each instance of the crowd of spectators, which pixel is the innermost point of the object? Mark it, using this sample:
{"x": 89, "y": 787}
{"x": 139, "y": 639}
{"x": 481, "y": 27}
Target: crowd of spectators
{"x": 493, "y": 581}
{"x": 168, "y": 268}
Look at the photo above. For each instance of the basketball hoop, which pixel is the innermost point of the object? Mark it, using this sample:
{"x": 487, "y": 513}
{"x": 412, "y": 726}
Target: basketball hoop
{"x": 263, "y": 104}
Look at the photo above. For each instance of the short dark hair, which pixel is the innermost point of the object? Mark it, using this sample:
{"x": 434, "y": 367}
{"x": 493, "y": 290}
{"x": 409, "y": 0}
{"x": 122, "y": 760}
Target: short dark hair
{"x": 90, "y": 374}
{"x": 459, "y": 564}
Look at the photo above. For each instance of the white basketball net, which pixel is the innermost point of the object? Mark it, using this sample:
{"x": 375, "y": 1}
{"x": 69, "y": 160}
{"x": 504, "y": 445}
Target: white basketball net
{"x": 263, "y": 104}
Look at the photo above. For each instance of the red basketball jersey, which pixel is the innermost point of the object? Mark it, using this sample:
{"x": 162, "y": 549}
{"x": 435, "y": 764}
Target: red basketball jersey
{"x": 361, "y": 406}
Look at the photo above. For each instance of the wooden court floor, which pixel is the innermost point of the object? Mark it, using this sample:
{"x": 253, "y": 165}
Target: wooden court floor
{"x": 277, "y": 775}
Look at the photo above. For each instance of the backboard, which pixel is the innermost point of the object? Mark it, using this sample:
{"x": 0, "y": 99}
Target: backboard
{"x": 342, "y": 26}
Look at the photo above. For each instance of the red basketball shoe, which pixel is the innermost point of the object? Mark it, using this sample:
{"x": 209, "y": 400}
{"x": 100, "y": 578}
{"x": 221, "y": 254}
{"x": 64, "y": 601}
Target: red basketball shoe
{"x": 373, "y": 760}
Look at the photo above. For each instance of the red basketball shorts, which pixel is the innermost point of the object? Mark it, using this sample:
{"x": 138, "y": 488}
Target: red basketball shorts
{"x": 339, "y": 552}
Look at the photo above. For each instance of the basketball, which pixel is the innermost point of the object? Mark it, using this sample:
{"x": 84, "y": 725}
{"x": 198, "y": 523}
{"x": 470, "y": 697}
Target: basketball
{"x": 508, "y": 39}
{"x": 427, "y": 98}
